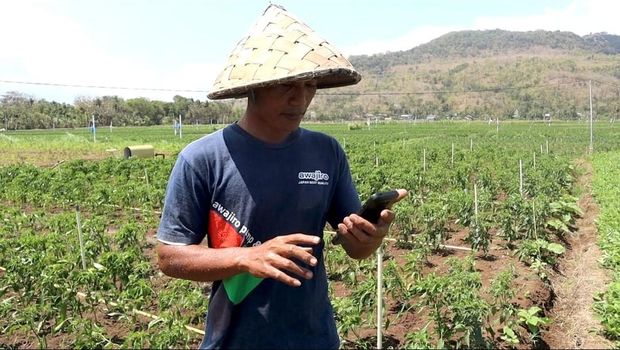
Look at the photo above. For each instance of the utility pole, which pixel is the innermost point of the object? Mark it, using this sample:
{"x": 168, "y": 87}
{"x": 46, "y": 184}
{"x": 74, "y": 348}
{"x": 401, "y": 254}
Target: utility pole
{"x": 94, "y": 129}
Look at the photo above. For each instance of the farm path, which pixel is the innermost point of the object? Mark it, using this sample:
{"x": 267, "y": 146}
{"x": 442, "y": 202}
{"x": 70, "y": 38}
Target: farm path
{"x": 575, "y": 325}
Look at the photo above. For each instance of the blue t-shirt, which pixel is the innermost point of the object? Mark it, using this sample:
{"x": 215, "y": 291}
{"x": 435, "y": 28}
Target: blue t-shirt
{"x": 238, "y": 191}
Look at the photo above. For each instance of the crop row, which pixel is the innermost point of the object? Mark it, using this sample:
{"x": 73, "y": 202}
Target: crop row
{"x": 466, "y": 181}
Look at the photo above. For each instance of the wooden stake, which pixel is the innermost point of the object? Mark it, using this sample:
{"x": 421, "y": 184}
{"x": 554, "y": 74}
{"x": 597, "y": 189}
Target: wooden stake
{"x": 146, "y": 176}
{"x": 379, "y": 296}
{"x": 452, "y": 161}
{"x": 521, "y": 177}
{"x": 476, "y": 202}
{"x": 79, "y": 227}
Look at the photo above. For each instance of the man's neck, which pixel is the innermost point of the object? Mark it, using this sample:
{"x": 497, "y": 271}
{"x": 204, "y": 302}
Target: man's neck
{"x": 256, "y": 129}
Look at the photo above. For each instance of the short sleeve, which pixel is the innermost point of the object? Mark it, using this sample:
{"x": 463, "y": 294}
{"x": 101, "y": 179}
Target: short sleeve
{"x": 346, "y": 200}
{"x": 184, "y": 219}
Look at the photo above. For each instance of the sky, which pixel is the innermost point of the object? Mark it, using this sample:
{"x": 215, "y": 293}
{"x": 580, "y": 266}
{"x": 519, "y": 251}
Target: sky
{"x": 181, "y": 45}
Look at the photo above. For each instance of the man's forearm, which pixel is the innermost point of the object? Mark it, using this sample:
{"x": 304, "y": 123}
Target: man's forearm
{"x": 199, "y": 263}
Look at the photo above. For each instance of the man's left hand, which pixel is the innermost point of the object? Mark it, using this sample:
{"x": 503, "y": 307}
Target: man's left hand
{"x": 360, "y": 237}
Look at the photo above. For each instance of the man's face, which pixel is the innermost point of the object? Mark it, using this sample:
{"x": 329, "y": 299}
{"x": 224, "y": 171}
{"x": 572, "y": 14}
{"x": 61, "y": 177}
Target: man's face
{"x": 282, "y": 107}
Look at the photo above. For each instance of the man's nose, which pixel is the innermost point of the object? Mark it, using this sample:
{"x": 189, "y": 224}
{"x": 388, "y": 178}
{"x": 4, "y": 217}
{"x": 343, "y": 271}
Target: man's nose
{"x": 299, "y": 95}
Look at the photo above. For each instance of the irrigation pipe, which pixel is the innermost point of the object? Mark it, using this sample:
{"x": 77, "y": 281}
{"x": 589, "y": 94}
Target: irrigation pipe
{"x": 142, "y": 313}
{"x": 158, "y": 212}
{"x": 442, "y": 246}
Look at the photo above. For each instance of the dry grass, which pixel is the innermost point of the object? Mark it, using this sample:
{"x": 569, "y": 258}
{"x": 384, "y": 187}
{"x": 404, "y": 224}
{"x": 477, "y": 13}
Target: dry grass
{"x": 575, "y": 325}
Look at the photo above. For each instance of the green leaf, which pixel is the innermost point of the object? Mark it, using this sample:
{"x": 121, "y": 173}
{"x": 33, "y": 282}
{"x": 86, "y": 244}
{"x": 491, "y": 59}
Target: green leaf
{"x": 556, "y": 248}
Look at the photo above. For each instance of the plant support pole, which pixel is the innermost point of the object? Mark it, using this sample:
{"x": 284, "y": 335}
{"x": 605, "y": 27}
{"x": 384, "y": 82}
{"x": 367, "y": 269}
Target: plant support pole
{"x": 521, "y": 177}
{"x": 476, "y": 202}
{"x": 94, "y": 129}
{"x": 591, "y": 149}
{"x": 146, "y": 176}
{"x": 452, "y": 159}
{"x": 180, "y": 128}
{"x": 379, "y": 296}
{"x": 79, "y": 227}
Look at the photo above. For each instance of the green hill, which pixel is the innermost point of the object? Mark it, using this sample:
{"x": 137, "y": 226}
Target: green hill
{"x": 485, "y": 74}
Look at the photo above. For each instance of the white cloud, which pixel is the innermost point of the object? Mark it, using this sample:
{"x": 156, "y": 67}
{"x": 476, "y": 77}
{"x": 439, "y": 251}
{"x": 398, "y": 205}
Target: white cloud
{"x": 41, "y": 44}
{"x": 411, "y": 39}
{"x": 44, "y": 46}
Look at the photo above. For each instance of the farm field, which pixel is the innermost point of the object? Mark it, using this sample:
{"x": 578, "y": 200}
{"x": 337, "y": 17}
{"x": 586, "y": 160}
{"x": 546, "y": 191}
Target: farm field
{"x": 489, "y": 249}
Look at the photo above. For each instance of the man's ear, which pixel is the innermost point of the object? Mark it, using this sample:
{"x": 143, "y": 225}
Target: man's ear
{"x": 251, "y": 96}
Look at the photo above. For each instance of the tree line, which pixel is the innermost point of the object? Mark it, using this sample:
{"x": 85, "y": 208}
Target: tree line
{"x": 21, "y": 111}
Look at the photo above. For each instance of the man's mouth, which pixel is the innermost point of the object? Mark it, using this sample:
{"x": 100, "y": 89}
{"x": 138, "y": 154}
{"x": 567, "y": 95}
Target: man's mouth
{"x": 293, "y": 115}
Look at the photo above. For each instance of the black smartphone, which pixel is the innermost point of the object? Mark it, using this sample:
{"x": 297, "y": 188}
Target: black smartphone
{"x": 374, "y": 205}
{"x": 372, "y": 208}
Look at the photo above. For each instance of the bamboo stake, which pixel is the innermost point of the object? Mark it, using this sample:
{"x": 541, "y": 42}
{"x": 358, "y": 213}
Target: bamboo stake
{"x": 591, "y": 148}
{"x": 452, "y": 159}
{"x": 79, "y": 227}
{"x": 146, "y": 176}
{"x": 534, "y": 219}
{"x": 521, "y": 177}
{"x": 180, "y": 128}
{"x": 476, "y": 202}
{"x": 379, "y": 296}
{"x": 94, "y": 129}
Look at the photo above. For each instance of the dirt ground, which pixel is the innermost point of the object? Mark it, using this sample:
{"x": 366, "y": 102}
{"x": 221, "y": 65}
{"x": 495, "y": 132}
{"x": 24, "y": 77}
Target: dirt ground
{"x": 567, "y": 300}
{"x": 579, "y": 280}
{"x": 531, "y": 290}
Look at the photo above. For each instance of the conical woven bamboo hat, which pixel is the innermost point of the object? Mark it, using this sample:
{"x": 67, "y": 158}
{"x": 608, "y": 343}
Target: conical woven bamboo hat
{"x": 280, "y": 48}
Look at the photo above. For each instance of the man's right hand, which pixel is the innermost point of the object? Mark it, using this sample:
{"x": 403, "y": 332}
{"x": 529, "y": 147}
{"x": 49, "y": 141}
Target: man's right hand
{"x": 275, "y": 257}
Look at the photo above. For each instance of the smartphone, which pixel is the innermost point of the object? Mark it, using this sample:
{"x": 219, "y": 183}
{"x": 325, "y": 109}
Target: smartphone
{"x": 374, "y": 205}
{"x": 372, "y": 208}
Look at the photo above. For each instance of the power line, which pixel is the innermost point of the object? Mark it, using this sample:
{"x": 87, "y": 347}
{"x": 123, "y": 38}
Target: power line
{"x": 497, "y": 89}
{"x": 99, "y": 86}
{"x": 433, "y": 92}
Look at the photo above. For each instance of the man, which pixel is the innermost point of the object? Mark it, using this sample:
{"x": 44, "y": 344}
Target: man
{"x": 261, "y": 191}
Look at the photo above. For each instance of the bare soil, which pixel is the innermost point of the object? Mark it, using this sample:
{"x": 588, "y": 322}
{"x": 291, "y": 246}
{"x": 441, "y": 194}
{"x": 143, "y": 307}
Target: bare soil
{"x": 567, "y": 299}
{"x": 531, "y": 291}
{"x": 579, "y": 279}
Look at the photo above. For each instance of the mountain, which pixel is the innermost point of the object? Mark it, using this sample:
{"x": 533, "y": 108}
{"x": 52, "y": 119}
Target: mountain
{"x": 485, "y": 74}
{"x": 475, "y": 43}
{"x": 603, "y": 42}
